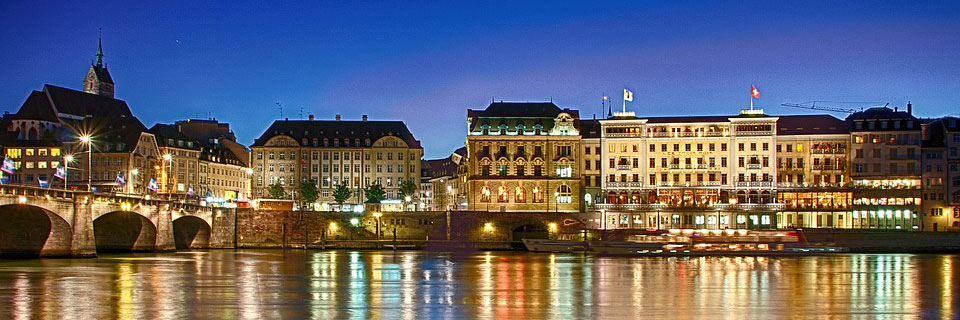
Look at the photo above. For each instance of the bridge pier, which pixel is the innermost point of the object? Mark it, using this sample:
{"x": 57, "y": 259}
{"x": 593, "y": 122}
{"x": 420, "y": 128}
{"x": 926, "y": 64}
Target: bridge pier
{"x": 83, "y": 243}
{"x": 162, "y": 217}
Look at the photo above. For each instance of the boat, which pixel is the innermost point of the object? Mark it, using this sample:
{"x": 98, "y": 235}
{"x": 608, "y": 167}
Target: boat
{"x": 547, "y": 245}
{"x": 695, "y": 242}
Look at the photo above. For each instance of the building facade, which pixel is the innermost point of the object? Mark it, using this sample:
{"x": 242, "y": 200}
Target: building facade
{"x": 523, "y": 157}
{"x": 330, "y": 153}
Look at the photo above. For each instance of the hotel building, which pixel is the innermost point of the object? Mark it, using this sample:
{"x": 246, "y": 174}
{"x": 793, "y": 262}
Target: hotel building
{"x": 523, "y": 157}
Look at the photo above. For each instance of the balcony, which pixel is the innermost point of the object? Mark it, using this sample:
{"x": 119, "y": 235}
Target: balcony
{"x": 824, "y": 167}
{"x": 661, "y": 134}
{"x": 904, "y": 157}
{"x": 688, "y": 134}
{"x": 624, "y": 184}
{"x": 713, "y": 134}
{"x": 828, "y": 151}
{"x": 631, "y": 206}
{"x": 675, "y": 166}
{"x": 713, "y": 207}
{"x": 754, "y": 133}
{"x": 754, "y": 166}
{"x": 623, "y": 167}
{"x": 754, "y": 183}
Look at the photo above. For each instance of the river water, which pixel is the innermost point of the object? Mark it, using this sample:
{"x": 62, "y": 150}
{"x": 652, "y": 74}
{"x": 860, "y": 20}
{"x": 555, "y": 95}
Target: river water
{"x": 296, "y": 284}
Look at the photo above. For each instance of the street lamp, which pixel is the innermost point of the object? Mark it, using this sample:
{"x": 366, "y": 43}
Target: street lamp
{"x": 377, "y": 215}
{"x": 67, "y": 159}
{"x": 89, "y": 141}
{"x": 556, "y": 202}
{"x": 166, "y": 173}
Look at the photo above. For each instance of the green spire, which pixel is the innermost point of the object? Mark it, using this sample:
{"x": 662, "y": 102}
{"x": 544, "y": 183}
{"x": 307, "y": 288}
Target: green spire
{"x": 100, "y": 48}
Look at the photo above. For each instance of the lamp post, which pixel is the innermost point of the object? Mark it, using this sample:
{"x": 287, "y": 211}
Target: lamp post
{"x": 249, "y": 181}
{"x": 377, "y": 215}
{"x": 133, "y": 176}
{"x": 166, "y": 174}
{"x": 66, "y": 169}
{"x": 87, "y": 139}
{"x": 556, "y": 202}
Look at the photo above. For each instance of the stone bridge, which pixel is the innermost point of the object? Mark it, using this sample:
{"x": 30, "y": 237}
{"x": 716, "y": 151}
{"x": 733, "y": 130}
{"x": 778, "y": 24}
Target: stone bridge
{"x": 48, "y": 222}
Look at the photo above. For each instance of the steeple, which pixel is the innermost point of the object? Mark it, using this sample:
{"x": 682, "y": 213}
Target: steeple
{"x": 98, "y": 80}
{"x": 100, "y": 48}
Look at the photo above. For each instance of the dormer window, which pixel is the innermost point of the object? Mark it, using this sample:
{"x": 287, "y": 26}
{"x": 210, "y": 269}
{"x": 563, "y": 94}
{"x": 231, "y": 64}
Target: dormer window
{"x": 520, "y": 129}
{"x": 503, "y": 129}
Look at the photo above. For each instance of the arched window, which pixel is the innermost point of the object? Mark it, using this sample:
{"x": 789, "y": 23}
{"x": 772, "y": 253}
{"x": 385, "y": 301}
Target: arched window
{"x": 537, "y": 195}
{"x": 564, "y": 194}
{"x": 485, "y": 194}
{"x": 520, "y": 195}
{"x": 502, "y": 194}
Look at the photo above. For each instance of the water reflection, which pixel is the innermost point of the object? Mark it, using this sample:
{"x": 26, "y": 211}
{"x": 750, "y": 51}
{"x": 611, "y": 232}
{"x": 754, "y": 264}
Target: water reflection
{"x": 254, "y": 284}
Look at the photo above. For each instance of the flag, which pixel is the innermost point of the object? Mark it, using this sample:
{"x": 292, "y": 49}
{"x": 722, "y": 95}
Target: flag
{"x": 153, "y": 185}
{"x": 120, "y": 180}
{"x": 8, "y": 165}
{"x": 43, "y": 182}
{"x": 190, "y": 190}
{"x": 754, "y": 92}
{"x": 5, "y": 179}
{"x": 208, "y": 194}
{"x": 627, "y": 95}
{"x": 61, "y": 173}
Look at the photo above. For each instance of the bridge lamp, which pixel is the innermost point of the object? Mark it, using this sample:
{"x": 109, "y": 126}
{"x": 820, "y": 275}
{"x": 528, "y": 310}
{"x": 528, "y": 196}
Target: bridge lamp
{"x": 68, "y": 158}
{"x": 488, "y": 227}
{"x": 167, "y": 157}
{"x": 552, "y": 227}
{"x": 249, "y": 171}
{"x": 134, "y": 172}
{"x": 85, "y": 138}
{"x": 354, "y": 221}
{"x": 21, "y": 199}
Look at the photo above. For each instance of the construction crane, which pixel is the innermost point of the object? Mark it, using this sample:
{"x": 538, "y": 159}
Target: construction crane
{"x": 825, "y": 106}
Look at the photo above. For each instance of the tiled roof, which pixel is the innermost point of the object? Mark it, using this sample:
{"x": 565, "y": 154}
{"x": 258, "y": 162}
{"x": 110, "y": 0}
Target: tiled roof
{"x": 102, "y": 73}
{"x": 80, "y": 103}
{"x": 438, "y": 168}
{"x": 165, "y": 132}
{"x": 590, "y": 129}
{"x": 810, "y": 124}
{"x": 320, "y": 129}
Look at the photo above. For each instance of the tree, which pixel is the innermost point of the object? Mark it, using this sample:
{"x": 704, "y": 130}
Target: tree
{"x": 308, "y": 192}
{"x": 341, "y": 194}
{"x": 374, "y": 192}
{"x": 408, "y": 188}
{"x": 439, "y": 200}
{"x": 275, "y": 191}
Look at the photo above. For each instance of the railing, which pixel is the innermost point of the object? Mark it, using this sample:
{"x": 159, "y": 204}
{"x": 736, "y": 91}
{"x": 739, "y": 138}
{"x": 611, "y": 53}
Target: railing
{"x": 754, "y": 166}
{"x": 754, "y": 183}
{"x": 689, "y": 184}
{"x": 713, "y": 134}
{"x": 716, "y": 206}
{"x": 624, "y": 184}
{"x": 661, "y": 134}
{"x": 828, "y": 151}
{"x": 688, "y": 134}
{"x": 674, "y": 166}
{"x": 623, "y": 167}
{"x": 754, "y": 133}
{"x": 904, "y": 157}
{"x": 825, "y": 167}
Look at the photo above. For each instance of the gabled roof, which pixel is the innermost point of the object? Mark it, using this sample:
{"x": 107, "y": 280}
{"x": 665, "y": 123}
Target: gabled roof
{"x": 36, "y": 107}
{"x": 79, "y": 103}
{"x": 810, "y": 124}
{"x": 320, "y": 129}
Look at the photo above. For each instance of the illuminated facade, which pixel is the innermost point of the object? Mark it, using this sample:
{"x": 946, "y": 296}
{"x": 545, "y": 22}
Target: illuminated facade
{"x": 524, "y": 157}
{"x": 941, "y": 175}
{"x": 885, "y": 168}
{"x": 699, "y": 172}
{"x": 813, "y": 172}
{"x": 330, "y": 153}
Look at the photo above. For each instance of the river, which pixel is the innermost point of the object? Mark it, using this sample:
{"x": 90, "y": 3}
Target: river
{"x": 297, "y": 284}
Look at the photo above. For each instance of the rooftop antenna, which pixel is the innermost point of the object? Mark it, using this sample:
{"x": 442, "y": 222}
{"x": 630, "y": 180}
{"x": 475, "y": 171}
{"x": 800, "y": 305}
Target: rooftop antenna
{"x": 280, "y": 106}
{"x": 603, "y": 103}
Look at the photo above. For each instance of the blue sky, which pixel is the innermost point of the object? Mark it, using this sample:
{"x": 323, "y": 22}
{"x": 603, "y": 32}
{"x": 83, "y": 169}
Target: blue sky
{"x": 427, "y": 62}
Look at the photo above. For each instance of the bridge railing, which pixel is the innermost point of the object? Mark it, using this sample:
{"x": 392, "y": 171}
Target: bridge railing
{"x": 49, "y": 193}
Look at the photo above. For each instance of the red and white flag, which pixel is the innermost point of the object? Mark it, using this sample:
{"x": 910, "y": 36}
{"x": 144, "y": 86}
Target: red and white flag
{"x": 754, "y": 92}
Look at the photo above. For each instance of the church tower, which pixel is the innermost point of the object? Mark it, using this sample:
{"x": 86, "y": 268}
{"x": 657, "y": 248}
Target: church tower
{"x": 98, "y": 80}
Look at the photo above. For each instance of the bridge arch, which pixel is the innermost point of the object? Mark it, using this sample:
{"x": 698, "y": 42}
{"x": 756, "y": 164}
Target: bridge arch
{"x": 530, "y": 230}
{"x": 29, "y": 231}
{"x": 124, "y": 231}
{"x": 191, "y": 232}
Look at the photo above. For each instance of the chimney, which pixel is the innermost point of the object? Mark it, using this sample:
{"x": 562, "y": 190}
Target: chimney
{"x": 338, "y": 118}
{"x": 311, "y": 117}
{"x": 909, "y": 108}
{"x": 364, "y": 118}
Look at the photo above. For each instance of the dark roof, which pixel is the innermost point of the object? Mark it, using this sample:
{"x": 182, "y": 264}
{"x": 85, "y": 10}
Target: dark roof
{"x": 590, "y": 129}
{"x": 880, "y": 113}
{"x": 810, "y": 124}
{"x": 520, "y": 109}
{"x": 164, "y": 132}
{"x": 80, "y": 103}
{"x": 438, "y": 168}
{"x": 320, "y": 129}
{"x": 462, "y": 151}
{"x": 511, "y": 114}
{"x": 37, "y": 107}
{"x": 102, "y": 73}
